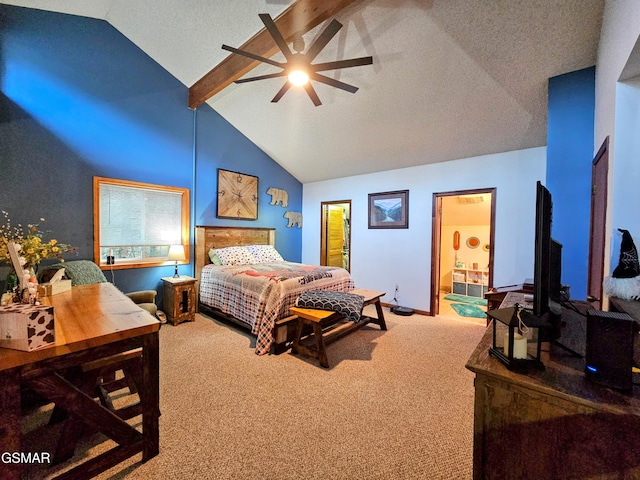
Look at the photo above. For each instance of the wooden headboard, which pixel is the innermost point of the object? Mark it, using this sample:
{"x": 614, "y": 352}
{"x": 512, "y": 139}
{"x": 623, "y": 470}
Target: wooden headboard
{"x": 220, "y": 237}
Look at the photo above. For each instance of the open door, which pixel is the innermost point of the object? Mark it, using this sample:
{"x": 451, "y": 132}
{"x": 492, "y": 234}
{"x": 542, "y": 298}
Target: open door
{"x": 436, "y": 238}
{"x": 463, "y": 232}
{"x": 597, "y": 229}
{"x": 335, "y": 231}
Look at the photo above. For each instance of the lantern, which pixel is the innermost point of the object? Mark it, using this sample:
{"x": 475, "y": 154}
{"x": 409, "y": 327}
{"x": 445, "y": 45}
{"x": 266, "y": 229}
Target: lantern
{"x": 516, "y": 338}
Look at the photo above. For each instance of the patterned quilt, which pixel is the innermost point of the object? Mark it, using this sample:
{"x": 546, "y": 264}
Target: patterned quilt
{"x": 260, "y": 294}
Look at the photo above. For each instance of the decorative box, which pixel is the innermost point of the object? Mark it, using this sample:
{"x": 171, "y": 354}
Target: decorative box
{"x": 48, "y": 289}
{"x": 26, "y": 327}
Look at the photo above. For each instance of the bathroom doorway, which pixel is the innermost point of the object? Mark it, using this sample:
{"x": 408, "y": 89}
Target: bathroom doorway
{"x": 462, "y": 244}
{"x": 335, "y": 234}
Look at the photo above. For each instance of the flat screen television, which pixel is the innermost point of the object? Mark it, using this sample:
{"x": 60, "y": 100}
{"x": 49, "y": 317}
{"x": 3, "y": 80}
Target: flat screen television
{"x": 542, "y": 257}
{"x": 547, "y": 285}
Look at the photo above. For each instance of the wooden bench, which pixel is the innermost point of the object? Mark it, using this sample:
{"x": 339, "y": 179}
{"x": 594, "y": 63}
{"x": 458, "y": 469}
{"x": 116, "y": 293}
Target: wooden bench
{"x": 328, "y": 326}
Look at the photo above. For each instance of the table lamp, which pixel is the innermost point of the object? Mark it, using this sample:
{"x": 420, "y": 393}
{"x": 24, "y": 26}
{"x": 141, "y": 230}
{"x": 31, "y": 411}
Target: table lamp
{"x": 176, "y": 253}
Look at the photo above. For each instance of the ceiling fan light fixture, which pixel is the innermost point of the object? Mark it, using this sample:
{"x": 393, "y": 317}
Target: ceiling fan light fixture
{"x": 297, "y": 66}
{"x": 299, "y": 78}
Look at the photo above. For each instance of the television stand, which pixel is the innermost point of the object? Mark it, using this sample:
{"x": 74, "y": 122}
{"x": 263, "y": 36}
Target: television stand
{"x": 573, "y": 353}
{"x": 555, "y": 322}
{"x": 532, "y": 426}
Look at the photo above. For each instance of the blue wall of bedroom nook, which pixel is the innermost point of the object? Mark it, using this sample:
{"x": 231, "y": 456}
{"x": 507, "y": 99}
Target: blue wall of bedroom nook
{"x": 570, "y": 140}
{"x": 80, "y": 100}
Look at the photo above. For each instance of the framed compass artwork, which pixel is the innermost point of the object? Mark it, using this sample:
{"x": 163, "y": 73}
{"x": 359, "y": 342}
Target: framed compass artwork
{"x": 237, "y": 195}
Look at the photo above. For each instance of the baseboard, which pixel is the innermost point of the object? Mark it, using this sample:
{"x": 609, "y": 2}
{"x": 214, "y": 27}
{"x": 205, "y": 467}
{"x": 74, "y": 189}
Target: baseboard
{"x": 419, "y": 312}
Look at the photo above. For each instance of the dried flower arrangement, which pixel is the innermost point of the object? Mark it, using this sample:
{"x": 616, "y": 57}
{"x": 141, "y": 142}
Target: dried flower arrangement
{"x": 34, "y": 246}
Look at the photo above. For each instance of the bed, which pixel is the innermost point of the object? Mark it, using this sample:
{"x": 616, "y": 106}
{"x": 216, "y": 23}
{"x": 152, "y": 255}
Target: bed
{"x": 256, "y": 296}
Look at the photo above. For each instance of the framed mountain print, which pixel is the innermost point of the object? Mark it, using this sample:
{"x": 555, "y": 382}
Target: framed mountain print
{"x": 389, "y": 209}
{"x": 237, "y": 195}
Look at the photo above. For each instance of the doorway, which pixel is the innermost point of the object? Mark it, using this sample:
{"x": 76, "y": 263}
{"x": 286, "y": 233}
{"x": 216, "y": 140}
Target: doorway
{"x": 463, "y": 232}
{"x": 597, "y": 230}
{"x": 335, "y": 234}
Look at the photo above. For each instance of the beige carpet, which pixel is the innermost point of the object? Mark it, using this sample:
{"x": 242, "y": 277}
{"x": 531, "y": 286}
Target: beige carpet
{"x": 394, "y": 405}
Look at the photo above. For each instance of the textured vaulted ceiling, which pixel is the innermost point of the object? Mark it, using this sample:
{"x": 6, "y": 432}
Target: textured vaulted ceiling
{"x": 451, "y": 78}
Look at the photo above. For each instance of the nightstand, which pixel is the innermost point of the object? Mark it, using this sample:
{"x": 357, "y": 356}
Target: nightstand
{"x": 179, "y": 299}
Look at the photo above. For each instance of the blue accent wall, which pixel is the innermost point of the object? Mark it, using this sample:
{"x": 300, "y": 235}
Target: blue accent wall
{"x": 570, "y": 140}
{"x": 78, "y": 100}
{"x": 232, "y": 151}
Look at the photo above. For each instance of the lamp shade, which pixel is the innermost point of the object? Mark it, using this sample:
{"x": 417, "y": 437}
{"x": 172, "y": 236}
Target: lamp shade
{"x": 176, "y": 253}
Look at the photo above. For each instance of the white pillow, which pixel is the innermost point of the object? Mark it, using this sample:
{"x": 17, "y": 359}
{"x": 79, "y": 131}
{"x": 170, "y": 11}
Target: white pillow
{"x": 265, "y": 253}
{"x": 235, "y": 256}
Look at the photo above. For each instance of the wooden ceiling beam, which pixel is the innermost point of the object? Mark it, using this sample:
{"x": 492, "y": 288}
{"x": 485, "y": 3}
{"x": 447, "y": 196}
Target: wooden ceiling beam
{"x": 297, "y": 19}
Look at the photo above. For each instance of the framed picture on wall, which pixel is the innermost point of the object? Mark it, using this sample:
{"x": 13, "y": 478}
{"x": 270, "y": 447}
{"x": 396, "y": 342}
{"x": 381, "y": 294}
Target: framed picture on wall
{"x": 237, "y": 195}
{"x": 389, "y": 209}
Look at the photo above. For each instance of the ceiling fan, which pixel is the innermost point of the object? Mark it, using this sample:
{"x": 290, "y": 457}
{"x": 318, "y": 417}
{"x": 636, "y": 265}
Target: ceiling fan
{"x": 298, "y": 67}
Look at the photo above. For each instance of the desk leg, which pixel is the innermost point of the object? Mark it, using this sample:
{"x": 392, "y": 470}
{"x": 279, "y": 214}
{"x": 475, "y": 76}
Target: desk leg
{"x": 150, "y": 395}
{"x": 10, "y": 420}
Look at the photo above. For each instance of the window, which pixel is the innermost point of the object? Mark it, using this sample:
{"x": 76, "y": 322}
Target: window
{"x": 136, "y": 223}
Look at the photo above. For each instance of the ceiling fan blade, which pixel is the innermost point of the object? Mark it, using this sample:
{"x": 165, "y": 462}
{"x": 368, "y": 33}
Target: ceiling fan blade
{"x": 312, "y": 94}
{"x": 253, "y": 56}
{"x": 261, "y": 77}
{"x": 352, "y": 62}
{"x": 275, "y": 33}
{"x": 323, "y": 39}
{"x": 332, "y": 82}
{"x": 281, "y": 92}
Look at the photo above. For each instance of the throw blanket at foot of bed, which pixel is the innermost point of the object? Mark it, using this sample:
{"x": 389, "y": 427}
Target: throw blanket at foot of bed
{"x": 348, "y": 304}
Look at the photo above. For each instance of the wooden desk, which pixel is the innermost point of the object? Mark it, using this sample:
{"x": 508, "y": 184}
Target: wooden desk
{"x": 91, "y": 322}
{"x": 555, "y": 423}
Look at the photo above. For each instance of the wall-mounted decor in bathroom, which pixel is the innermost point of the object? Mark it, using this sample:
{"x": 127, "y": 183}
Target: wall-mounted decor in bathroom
{"x": 473, "y": 242}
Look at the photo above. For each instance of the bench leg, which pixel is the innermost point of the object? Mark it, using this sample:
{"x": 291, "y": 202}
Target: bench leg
{"x": 298, "y": 335}
{"x": 381, "y": 322}
{"x": 319, "y": 351}
{"x": 320, "y": 346}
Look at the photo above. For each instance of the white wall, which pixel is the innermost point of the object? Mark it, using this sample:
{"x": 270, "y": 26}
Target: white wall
{"x": 626, "y": 175}
{"x": 620, "y": 32}
{"x": 383, "y": 258}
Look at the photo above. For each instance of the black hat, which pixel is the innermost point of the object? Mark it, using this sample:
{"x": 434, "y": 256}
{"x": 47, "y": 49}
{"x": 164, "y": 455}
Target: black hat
{"x": 628, "y": 267}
